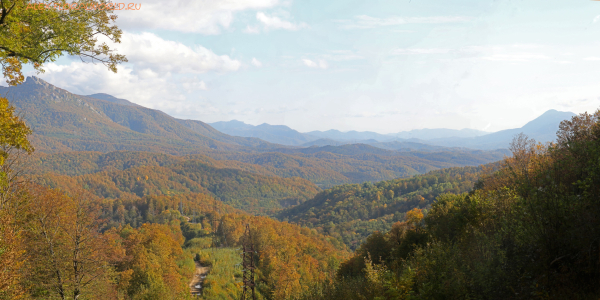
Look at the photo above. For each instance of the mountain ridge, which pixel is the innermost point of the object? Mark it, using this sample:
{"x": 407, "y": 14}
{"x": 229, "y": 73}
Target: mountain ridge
{"x": 542, "y": 128}
{"x": 282, "y": 134}
{"x": 63, "y": 121}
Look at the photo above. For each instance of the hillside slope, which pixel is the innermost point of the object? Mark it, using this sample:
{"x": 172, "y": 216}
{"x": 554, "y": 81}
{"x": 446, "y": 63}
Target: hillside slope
{"x": 133, "y": 175}
{"x": 355, "y": 163}
{"x": 351, "y": 213}
{"x": 63, "y": 121}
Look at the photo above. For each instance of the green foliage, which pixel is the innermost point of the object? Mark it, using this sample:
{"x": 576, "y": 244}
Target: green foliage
{"x": 32, "y": 34}
{"x": 529, "y": 231}
{"x": 350, "y": 213}
{"x": 13, "y": 131}
{"x": 224, "y": 279}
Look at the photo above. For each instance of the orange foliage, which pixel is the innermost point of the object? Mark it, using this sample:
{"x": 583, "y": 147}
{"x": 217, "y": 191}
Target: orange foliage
{"x": 290, "y": 257}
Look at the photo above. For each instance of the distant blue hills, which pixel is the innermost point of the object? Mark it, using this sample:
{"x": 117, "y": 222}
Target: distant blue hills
{"x": 542, "y": 129}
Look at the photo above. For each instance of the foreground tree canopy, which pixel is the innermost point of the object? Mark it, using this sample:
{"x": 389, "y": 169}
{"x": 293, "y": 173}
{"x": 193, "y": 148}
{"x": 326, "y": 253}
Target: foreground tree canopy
{"x": 39, "y": 32}
{"x": 13, "y": 143}
{"x": 527, "y": 231}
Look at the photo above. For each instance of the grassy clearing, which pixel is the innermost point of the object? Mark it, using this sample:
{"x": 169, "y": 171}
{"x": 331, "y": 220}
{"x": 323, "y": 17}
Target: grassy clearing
{"x": 224, "y": 280}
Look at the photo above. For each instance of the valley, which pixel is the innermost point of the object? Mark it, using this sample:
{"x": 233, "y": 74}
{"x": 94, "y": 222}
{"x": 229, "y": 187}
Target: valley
{"x": 178, "y": 194}
{"x": 299, "y": 150}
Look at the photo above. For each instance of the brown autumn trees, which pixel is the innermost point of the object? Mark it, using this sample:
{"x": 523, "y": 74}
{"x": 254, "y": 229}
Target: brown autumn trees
{"x": 13, "y": 145}
{"x": 65, "y": 249}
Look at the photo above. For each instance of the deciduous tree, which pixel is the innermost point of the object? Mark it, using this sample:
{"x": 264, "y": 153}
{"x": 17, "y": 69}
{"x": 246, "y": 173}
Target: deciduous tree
{"x": 40, "y": 32}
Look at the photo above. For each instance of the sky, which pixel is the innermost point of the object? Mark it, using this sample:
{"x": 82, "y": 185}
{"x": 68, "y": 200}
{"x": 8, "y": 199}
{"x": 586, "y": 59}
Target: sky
{"x": 367, "y": 65}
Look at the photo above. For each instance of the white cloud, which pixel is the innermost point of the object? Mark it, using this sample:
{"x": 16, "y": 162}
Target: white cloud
{"x": 256, "y": 62}
{"x": 596, "y": 19}
{"x": 191, "y": 84}
{"x": 322, "y": 64}
{"x": 198, "y": 16}
{"x": 165, "y": 93}
{"x": 578, "y": 104}
{"x": 274, "y": 22}
{"x": 365, "y": 22}
{"x": 310, "y": 63}
{"x": 160, "y": 74}
{"x": 84, "y": 78}
{"x": 148, "y": 51}
{"x": 592, "y": 58}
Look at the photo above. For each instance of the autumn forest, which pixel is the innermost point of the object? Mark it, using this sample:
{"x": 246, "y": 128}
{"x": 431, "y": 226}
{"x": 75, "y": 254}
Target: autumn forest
{"x": 101, "y": 198}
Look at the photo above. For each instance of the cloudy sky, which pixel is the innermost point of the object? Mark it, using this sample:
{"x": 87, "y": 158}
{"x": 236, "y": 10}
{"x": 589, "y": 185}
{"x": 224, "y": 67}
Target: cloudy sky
{"x": 384, "y": 66}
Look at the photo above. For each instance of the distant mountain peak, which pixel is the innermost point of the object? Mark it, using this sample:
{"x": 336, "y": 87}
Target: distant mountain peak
{"x": 551, "y": 116}
{"x": 33, "y": 80}
{"x": 280, "y": 134}
{"x": 550, "y": 111}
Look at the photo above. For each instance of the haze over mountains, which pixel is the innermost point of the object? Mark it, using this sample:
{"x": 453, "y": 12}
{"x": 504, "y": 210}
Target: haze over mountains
{"x": 93, "y": 122}
{"x": 64, "y": 122}
{"x": 282, "y": 134}
{"x": 542, "y": 129}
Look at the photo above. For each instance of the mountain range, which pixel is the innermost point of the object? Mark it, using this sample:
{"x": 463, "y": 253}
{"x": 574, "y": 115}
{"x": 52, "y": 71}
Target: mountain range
{"x": 285, "y": 135}
{"x": 66, "y": 122}
{"x": 542, "y": 129}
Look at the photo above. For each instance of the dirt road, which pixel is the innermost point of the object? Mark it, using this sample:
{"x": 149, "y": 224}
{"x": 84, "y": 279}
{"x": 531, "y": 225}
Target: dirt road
{"x": 196, "y": 284}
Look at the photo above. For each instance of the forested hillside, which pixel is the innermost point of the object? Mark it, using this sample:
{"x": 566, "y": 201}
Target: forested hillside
{"x": 288, "y": 254}
{"x": 136, "y": 244}
{"x": 144, "y": 248}
{"x": 355, "y": 164}
{"x": 350, "y": 213}
{"x": 63, "y": 122}
{"x": 453, "y": 233}
{"x": 251, "y": 192}
{"x": 105, "y": 198}
{"x": 527, "y": 231}
{"x": 322, "y": 168}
